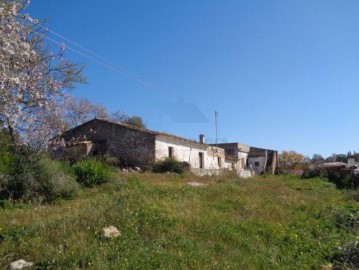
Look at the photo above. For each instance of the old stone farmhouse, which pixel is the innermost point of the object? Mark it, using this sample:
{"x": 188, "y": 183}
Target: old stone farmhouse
{"x": 141, "y": 147}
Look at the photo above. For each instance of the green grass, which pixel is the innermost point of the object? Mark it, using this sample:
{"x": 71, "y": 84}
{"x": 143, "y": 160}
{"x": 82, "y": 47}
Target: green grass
{"x": 277, "y": 222}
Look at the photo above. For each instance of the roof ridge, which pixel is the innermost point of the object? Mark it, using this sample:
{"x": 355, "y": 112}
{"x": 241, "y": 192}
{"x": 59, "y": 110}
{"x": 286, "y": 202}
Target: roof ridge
{"x": 154, "y": 132}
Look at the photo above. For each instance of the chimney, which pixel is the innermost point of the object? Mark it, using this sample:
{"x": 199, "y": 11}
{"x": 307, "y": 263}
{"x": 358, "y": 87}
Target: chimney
{"x": 201, "y": 138}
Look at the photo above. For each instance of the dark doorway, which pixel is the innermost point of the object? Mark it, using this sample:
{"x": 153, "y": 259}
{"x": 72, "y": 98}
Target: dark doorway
{"x": 201, "y": 160}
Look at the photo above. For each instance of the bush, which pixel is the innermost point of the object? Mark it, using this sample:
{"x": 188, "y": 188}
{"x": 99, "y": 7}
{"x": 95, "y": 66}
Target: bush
{"x": 92, "y": 172}
{"x": 17, "y": 181}
{"x": 32, "y": 176}
{"x": 7, "y": 160}
{"x": 54, "y": 181}
{"x": 341, "y": 179}
{"x": 4, "y": 182}
{"x": 317, "y": 172}
{"x": 170, "y": 165}
{"x": 347, "y": 255}
{"x": 346, "y": 218}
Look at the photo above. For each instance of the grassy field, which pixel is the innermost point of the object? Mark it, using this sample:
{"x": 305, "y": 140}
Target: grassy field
{"x": 278, "y": 222}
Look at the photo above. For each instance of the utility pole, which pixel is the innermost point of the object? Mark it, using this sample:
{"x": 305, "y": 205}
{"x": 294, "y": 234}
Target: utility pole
{"x": 216, "y": 124}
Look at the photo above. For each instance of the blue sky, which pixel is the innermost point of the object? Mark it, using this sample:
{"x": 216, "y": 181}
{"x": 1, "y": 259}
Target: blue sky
{"x": 282, "y": 74}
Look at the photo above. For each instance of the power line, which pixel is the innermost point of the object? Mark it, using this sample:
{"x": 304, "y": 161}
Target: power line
{"x": 92, "y": 53}
{"x": 100, "y": 60}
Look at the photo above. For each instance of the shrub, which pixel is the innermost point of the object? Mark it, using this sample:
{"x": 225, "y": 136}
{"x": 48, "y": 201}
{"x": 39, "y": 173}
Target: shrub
{"x": 170, "y": 165}
{"x": 54, "y": 181}
{"x": 33, "y": 176}
{"x": 92, "y": 172}
{"x": 317, "y": 172}
{"x": 341, "y": 179}
{"x": 20, "y": 182}
{"x": 4, "y": 182}
{"x": 7, "y": 160}
{"x": 347, "y": 255}
{"x": 346, "y": 218}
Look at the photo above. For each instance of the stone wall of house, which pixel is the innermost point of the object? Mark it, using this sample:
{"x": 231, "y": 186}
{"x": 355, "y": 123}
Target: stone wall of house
{"x": 189, "y": 152}
{"x": 243, "y": 157}
{"x": 136, "y": 146}
{"x": 231, "y": 165}
{"x": 239, "y": 151}
{"x": 215, "y": 158}
{"x": 79, "y": 151}
{"x": 272, "y": 162}
{"x": 258, "y": 163}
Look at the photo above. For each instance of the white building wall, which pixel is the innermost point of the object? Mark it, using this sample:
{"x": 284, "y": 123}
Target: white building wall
{"x": 188, "y": 152}
{"x": 230, "y": 165}
{"x": 213, "y": 156}
{"x": 242, "y": 156}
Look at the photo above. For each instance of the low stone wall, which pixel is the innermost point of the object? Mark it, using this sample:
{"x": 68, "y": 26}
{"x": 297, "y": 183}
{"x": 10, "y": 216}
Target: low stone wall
{"x": 246, "y": 173}
{"x": 79, "y": 151}
{"x": 202, "y": 172}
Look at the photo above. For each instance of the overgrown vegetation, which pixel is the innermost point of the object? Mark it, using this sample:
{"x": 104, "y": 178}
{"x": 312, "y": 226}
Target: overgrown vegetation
{"x": 341, "y": 179}
{"x": 277, "y": 222}
{"x": 269, "y": 222}
{"x": 91, "y": 172}
{"x": 170, "y": 165}
{"x": 27, "y": 175}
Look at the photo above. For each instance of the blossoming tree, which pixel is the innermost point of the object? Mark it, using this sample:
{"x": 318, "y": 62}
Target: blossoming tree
{"x": 34, "y": 80}
{"x": 71, "y": 113}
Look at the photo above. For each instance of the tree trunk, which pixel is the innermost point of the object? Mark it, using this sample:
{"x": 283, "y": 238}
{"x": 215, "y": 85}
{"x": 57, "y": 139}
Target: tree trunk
{"x": 11, "y": 133}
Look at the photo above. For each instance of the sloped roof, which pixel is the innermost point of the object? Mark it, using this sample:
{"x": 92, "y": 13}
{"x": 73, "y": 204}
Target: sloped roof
{"x": 148, "y": 131}
{"x": 332, "y": 164}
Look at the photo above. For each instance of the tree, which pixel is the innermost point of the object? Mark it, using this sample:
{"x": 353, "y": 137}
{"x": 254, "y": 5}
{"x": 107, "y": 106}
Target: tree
{"x": 71, "y": 113}
{"x": 33, "y": 80}
{"x": 78, "y": 111}
{"x": 118, "y": 116}
{"x": 291, "y": 160}
{"x": 317, "y": 158}
{"x": 5, "y": 141}
{"x": 135, "y": 121}
{"x": 342, "y": 158}
{"x": 121, "y": 117}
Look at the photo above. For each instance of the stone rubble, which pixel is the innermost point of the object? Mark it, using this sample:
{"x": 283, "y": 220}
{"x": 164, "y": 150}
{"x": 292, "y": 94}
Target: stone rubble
{"x": 20, "y": 264}
{"x": 196, "y": 184}
{"x": 110, "y": 232}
